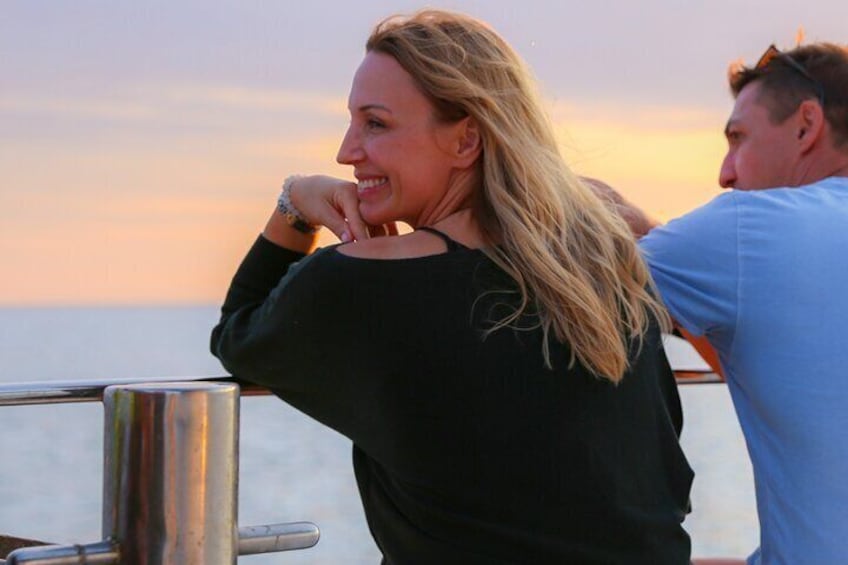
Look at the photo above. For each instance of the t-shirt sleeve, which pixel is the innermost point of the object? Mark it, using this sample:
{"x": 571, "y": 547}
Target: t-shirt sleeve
{"x": 694, "y": 263}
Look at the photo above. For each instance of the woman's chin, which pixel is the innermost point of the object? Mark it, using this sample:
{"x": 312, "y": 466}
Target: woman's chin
{"x": 374, "y": 217}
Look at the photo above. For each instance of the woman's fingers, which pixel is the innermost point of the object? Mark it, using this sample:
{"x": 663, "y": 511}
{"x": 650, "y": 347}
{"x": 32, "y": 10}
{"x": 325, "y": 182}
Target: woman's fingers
{"x": 329, "y": 202}
{"x": 333, "y": 203}
{"x": 354, "y": 227}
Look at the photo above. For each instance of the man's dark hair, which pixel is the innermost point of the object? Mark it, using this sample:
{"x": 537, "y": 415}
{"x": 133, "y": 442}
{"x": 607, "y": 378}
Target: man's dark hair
{"x": 818, "y": 71}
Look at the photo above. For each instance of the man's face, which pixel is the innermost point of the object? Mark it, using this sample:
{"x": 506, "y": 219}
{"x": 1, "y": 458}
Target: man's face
{"x": 760, "y": 153}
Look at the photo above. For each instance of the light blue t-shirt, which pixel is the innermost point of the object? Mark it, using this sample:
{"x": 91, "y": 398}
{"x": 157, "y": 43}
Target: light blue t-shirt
{"x": 764, "y": 275}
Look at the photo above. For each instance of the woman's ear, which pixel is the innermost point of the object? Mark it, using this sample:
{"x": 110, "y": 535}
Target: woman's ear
{"x": 811, "y": 124}
{"x": 468, "y": 141}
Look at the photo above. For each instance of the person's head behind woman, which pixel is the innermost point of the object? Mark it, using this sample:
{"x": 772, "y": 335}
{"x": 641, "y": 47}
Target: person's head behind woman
{"x": 575, "y": 263}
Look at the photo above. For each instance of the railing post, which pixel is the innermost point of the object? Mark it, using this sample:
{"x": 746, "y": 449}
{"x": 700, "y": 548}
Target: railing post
{"x": 170, "y": 477}
{"x": 170, "y": 484}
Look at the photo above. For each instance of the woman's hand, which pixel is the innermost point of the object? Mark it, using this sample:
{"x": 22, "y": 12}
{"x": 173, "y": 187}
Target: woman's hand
{"x": 333, "y": 203}
{"x": 330, "y": 202}
{"x": 323, "y": 201}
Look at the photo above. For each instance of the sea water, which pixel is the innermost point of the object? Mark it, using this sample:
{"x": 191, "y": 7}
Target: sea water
{"x": 291, "y": 468}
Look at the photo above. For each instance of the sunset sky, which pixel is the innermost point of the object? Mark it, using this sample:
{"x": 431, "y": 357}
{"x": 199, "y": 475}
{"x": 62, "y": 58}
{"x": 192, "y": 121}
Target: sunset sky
{"x": 142, "y": 144}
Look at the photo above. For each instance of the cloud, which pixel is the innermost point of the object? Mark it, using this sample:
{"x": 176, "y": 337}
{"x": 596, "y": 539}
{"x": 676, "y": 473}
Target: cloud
{"x": 254, "y": 99}
{"x": 76, "y": 108}
{"x": 145, "y": 102}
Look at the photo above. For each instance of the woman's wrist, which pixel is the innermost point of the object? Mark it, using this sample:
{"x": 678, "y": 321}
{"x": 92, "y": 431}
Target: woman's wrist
{"x": 319, "y": 200}
{"x": 292, "y": 215}
{"x": 279, "y": 232}
{"x": 287, "y": 226}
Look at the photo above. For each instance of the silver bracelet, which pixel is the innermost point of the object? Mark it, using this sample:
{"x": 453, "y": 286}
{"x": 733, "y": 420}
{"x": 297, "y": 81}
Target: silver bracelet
{"x": 292, "y": 215}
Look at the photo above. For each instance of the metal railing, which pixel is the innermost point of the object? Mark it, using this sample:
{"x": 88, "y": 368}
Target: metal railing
{"x": 170, "y": 482}
{"x": 58, "y": 392}
{"x": 170, "y": 475}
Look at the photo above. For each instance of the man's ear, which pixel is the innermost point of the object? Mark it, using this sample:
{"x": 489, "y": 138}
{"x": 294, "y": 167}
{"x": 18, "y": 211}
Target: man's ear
{"x": 468, "y": 141}
{"x": 811, "y": 124}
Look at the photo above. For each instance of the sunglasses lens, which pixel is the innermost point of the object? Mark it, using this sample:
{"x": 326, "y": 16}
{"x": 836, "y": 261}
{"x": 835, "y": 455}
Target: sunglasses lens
{"x": 773, "y": 53}
{"x": 767, "y": 57}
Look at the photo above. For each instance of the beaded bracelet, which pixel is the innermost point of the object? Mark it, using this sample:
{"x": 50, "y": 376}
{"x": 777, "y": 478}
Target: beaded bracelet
{"x": 292, "y": 215}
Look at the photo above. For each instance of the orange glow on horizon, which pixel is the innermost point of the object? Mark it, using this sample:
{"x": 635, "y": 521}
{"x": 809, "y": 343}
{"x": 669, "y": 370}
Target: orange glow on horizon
{"x": 158, "y": 224}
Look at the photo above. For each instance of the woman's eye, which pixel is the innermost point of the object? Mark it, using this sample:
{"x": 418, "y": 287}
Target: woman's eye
{"x": 374, "y": 124}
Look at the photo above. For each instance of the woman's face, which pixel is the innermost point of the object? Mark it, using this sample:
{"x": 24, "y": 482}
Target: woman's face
{"x": 403, "y": 158}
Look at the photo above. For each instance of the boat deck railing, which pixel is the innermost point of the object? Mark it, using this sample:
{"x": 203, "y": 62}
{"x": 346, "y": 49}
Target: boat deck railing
{"x": 170, "y": 473}
{"x": 58, "y": 392}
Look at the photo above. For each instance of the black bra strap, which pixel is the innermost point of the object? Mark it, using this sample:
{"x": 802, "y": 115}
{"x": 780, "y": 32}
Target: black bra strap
{"x": 451, "y": 244}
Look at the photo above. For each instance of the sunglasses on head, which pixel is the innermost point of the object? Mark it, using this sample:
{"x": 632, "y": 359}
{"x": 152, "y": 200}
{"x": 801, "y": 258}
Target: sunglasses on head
{"x": 773, "y": 53}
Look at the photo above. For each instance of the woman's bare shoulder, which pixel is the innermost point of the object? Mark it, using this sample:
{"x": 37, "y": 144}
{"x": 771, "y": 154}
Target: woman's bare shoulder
{"x": 405, "y": 246}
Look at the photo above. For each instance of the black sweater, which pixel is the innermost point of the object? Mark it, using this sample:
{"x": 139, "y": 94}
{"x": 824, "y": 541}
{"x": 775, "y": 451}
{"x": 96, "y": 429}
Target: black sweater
{"x": 466, "y": 448}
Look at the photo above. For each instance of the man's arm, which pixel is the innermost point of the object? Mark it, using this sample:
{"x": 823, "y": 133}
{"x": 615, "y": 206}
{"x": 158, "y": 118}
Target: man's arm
{"x": 640, "y": 223}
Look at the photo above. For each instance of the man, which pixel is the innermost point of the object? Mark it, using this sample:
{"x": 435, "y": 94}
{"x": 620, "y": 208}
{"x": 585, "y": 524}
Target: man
{"x": 763, "y": 275}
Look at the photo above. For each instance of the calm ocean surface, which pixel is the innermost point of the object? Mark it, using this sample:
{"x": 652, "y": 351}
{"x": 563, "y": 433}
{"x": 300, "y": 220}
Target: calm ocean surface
{"x": 291, "y": 469}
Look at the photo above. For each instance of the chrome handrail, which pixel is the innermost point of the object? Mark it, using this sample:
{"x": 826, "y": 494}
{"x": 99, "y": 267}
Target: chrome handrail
{"x": 59, "y": 392}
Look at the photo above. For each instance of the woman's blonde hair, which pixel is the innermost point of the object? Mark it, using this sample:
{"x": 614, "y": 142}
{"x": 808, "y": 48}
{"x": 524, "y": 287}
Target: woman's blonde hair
{"x": 575, "y": 262}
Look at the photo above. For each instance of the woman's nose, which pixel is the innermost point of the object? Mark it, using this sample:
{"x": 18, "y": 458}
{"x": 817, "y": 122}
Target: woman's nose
{"x": 350, "y": 151}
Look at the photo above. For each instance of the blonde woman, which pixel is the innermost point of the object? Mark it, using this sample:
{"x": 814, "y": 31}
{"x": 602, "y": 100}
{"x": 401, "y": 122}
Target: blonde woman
{"x": 498, "y": 369}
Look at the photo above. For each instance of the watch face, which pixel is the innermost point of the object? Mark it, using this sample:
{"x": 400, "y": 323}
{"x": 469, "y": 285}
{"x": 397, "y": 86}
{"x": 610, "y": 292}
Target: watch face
{"x": 299, "y": 224}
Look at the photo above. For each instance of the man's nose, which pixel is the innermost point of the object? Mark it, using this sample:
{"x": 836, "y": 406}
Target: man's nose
{"x": 727, "y": 173}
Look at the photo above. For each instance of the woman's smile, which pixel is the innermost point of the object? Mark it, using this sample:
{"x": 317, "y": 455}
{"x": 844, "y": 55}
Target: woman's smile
{"x": 368, "y": 187}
